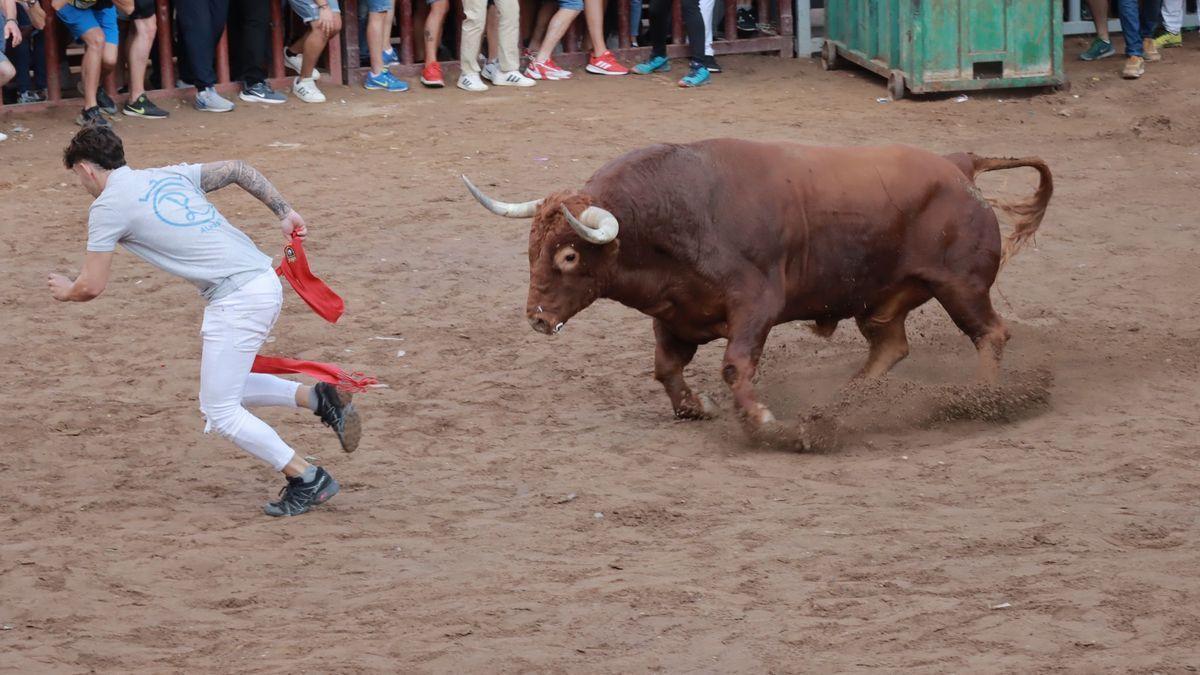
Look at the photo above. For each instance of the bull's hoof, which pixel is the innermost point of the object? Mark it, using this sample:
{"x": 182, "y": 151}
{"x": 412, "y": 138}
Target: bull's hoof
{"x": 701, "y": 407}
{"x": 776, "y": 436}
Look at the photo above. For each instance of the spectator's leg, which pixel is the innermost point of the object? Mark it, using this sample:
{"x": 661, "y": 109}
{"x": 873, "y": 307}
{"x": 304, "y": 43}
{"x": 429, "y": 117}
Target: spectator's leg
{"x": 694, "y": 26}
{"x": 509, "y": 38}
{"x": 433, "y": 21}
{"x": 660, "y": 26}
{"x": 37, "y": 48}
{"x": 546, "y": 11}
{"x": 377, "y": 34}
{"x": 1100, "y": 18}
{"x": 194, "y": 18}
{"x": 555, "y": 31}
{"x": 22, "y": 54}
{"x": 7, "y": 70}
{"x": 92, "y": 64}
{"x": 529, "y": 17}
{"x": 706, "y": 15}
{"x": 1151, "y": 17}
{"x": 475, "y": 12}
{"x": 492, "y": 31}
{"x": 593, "y": 16}
{"x": 1130, "y": 14}
{"x": 635, "y": 21}
{"x": 254, "y": 43}
{"x": 144, "y": 31}
{"x": 1172, "y": 16}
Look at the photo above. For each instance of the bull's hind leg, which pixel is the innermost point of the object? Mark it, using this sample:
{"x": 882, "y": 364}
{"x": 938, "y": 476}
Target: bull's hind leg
{"x": 671, "y": 356}
{"x": 970, "y": 307}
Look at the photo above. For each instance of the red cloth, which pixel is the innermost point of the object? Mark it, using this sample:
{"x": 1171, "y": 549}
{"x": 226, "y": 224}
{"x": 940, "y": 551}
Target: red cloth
{"x": 325, "y": 303}
{"x": 319, "y": 297}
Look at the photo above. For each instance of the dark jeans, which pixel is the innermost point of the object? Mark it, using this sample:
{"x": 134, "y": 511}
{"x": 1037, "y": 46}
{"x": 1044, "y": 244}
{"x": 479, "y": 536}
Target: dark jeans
{"x": 27, "y": 56}
{"x": 250, "y": 40}
{"x": 1138, "y": 23}
{"x": 200, "y": 23}
{"x": 660, "y": 27}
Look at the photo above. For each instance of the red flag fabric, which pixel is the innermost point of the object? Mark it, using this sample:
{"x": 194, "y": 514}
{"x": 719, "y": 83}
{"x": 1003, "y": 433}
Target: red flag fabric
{"x": 319, "y": 297}
{"x": 325, "y": 303}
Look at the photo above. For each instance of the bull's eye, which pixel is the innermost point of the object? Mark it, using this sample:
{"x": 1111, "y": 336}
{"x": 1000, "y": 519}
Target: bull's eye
{"x": 570, "y": 257}
{"x": 566, "y": 259}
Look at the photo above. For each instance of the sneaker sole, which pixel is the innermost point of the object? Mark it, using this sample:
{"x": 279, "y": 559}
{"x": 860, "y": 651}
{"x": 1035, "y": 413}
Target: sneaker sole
{"x": 512, "y": 84}
{"x": 600, "y": 71}
{"x": 214, "y": 110}
{"x": 145, "y": 117}
{"x": 352, "y": 423}
{"x": 255, "y": 99}
{"x": 433, "y": 84}
{"x": 472, "y": 90}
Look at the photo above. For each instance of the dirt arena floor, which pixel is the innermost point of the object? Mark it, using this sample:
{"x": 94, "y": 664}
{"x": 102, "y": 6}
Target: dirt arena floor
{"x": 1059, "y": 537}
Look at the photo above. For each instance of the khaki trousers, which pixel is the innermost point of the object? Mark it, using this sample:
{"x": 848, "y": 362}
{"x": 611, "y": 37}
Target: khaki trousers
{"x": 472, "y": 34}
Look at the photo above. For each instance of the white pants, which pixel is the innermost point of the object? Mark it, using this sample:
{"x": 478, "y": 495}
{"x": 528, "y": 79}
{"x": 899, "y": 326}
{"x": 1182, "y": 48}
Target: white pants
{"x": 234, "y": 329}
{"x": 1172, "y": 15}
{"x": 706, "y": 12}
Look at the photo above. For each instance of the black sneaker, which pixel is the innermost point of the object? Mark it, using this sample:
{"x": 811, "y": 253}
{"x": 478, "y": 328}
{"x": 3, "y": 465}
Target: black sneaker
{"x": 710, "y": 62}
{"x": 747, "y": 19}
{"x": 298, "y": 496}
{"x": 144, "y": 107}
{"x": 337, "y": 412}
{"x": 92, "y": 117}
{"x": 105, "y": 102}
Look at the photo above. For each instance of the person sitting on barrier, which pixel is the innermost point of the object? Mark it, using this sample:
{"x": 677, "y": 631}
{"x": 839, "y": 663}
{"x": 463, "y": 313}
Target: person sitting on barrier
{"x": 1138, "y": 21}
{"x": 250, "y": 37}
{"x": 660, "y": 29}
{"x": 145, "y": 27}
{"x": 472, "y": 37}
{"x": 324, "y": 20}
{"x": 1101, "y": 47}
{"x": 429, "y": 23}
{"x": 94, "y": 23}
{"x": 12, "y": 31}
{"x": 378, "y": 36}
{"x": 1170, "y": 34}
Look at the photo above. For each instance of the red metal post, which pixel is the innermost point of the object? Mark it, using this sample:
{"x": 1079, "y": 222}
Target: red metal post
{"x": 623, "y": 40}
{"x": 223, "y": 58}
{"x": 166, "y": 55}
{"x": 677, "y": 22}
{"x": 731, "y": 19}
{"x": 785, "y": 28}
{"x": 276, "y": 38}
{"x": 54, "y": 53}
{"x": 350, "y": 58}
{"x": 334, "y": 52}
{"x": 404, "y": 14}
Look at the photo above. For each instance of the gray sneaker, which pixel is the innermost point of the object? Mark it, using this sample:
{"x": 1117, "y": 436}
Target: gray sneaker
{"x": 261, "y": 92}
{"x": 208, "y": 100}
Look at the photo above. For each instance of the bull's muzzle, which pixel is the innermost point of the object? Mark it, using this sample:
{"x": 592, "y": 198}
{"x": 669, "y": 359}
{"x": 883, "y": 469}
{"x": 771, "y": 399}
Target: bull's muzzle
{"x": 544, "y": 325}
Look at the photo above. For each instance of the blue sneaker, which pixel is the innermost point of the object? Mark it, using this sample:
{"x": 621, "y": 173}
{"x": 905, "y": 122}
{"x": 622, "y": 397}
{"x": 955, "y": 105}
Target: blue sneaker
{"x": 384, "y": 81}
{"x": 697, "y": 76}
{"x": 390, "y": 58}
{"x": 654, "y": 64}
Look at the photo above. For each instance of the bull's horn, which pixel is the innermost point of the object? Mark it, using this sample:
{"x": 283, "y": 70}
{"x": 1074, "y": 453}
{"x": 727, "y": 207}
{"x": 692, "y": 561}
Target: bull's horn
{"x": 521, "y": 210}
{"x": 594, "y": 224}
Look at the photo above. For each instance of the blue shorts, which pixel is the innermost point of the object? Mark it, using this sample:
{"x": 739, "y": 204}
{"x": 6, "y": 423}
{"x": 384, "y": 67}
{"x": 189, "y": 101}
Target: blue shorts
{"x": 379, "y": 6}
{"x": 308, "y": 11}
{"x": 80, "y": 21}
{"x": 576, "y": 5}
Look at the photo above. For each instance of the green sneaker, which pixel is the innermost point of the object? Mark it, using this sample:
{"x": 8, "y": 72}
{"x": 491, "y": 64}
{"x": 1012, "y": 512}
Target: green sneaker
{"x": 1167, "y": 40}
{"x": 1098, "y": 50}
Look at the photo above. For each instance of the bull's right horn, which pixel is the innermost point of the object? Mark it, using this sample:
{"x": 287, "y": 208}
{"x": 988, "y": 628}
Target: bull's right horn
{"x": 521, "y": 210}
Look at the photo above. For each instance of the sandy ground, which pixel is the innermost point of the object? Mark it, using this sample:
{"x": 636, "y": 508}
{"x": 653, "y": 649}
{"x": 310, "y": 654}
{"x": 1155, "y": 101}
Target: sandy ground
{"x": 130, "y": 541}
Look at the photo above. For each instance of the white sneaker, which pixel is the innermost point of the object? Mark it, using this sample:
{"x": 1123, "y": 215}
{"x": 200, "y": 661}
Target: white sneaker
{"x": 306, "y": 90}
{"x": 294, "y": 63}
{"x": 471, "y": 82}
{"x": 3, "y": 137}
{"x": 511, "y": 79}
{"x": 490, "y": 70}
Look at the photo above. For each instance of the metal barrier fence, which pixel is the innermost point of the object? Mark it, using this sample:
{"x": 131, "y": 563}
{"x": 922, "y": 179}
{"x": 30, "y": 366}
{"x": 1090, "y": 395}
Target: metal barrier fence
{"x": 342, "y": 58}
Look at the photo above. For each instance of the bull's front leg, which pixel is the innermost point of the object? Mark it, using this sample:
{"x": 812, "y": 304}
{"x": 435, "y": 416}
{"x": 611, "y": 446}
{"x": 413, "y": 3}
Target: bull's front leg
{"x": 746, "y": 340}
{"x": 671, "y": 356}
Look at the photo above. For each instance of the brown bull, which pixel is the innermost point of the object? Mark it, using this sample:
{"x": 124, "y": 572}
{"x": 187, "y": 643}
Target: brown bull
{"x": 728, "y": 238}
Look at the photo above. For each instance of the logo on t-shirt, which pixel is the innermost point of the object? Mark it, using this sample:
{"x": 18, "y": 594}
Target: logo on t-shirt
{"x": 177, "y": 203}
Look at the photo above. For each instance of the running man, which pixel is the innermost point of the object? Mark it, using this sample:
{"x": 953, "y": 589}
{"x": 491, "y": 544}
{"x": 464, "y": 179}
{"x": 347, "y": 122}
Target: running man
{"x": 162, "y": 216}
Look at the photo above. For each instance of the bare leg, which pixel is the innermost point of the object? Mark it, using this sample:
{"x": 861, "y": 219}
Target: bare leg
{"x": 433, "y": 29}
{"x": 545, "y": 12}
{"x": 377, "y": 34}
{"x": 671, "y": 356}
{"x": 92, "y": 64}
{"x": 492, "y": 29}
{"x": 144, "y": 31}
{"x": 555, "y": 31}
{"x": 593, "y": 14}
{"x": 1100, "y": 17}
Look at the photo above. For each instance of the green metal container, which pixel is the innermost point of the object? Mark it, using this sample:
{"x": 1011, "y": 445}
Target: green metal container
{"x": 926, "y": 46}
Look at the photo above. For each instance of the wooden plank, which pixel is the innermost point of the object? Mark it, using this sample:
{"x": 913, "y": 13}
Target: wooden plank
{"x": 276, "y": 38}
{"x": 54, "y": 53}
{"x": 405, "y": 15}
{"x": 350, "y": 47}
{"x": 623, "y": 40}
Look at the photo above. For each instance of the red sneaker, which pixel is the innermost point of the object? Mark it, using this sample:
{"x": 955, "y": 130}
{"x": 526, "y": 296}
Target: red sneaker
{"x": 546, "y": 70}
{"x": 606, "y": 64}
{"x": 431, "y": 76}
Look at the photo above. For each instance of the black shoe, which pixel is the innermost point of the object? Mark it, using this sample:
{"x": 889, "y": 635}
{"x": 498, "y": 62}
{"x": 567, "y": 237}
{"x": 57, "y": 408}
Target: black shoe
{"x": 337, "y": 412}
{"x": 144, "y": 107}
{"x": 297, "y": 496}
{"x": 92, "y": 117}
{"x": 105, "y": 102}
{"x": 710, "y": 62}
{"x": 747, "y": 19}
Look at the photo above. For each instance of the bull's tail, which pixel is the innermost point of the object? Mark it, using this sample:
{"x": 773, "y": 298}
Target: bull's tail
{"x": 1027, "y": 214}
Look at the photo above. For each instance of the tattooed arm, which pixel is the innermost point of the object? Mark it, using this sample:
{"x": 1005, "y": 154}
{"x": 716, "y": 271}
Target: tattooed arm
{"x": 216, "y": 175}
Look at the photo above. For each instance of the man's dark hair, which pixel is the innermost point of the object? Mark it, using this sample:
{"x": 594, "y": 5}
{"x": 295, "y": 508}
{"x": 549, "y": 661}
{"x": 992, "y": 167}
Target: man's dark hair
{"x": 99, "y": 145}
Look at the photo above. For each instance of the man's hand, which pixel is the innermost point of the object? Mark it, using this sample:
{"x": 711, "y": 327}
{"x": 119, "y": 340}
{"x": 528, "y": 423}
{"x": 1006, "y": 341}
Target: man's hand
{"x": 12, "y": 32}
{"x": 37, "y": 16}
{"x": 293, "y": 225}
{"x": 125, "y": 6}
{"x": 60, "y": 287}
{"x": 324, "y": 22}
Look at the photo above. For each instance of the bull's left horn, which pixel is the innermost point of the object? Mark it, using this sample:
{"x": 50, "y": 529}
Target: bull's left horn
{"x": 521, "y": 210}
{"x": 594, "y": 224}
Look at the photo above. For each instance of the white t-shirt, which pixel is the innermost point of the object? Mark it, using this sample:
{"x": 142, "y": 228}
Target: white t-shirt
{"x": 163, "y": 217}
